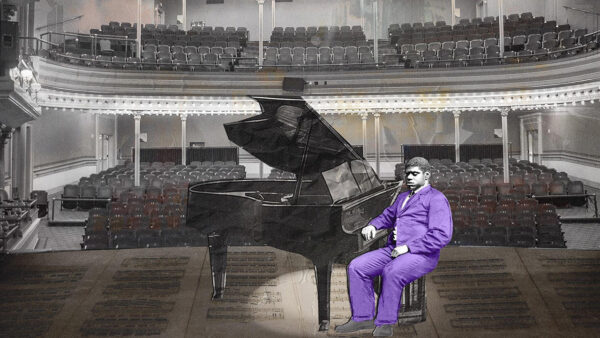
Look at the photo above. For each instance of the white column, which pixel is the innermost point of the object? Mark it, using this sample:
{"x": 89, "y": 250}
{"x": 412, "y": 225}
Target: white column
{"x": 453, "y": 17}
{"x": 136, "y": 145}
{"x": 523, "y": 139}
{"x": 540, "y": 131}
{"x": 364, "y": 118}
{"x": 504, "y": 114}
{"x": 272, "y": 15}
{"x": 98, "y": 144}
{"x": 116, "y": 142}
{"x": 21, "y": 155}
{"x": 183, "y": 139}
{"x": 260, "y": 31}
{"x": 377, "y": 155}
{"x": 16, "y": 168}
{"x": 139, "y": 29}
{"x": 28, "y": 161}
{"x": 456, "y": 135}
{"x": 362, "y": 14}
{"x": 501, "y": 25}
{"x": 184, "y": 14}
{"x": 375, "y": 33}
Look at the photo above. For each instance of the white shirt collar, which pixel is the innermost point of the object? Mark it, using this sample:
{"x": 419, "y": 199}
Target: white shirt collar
{"x": 416, "y": 191}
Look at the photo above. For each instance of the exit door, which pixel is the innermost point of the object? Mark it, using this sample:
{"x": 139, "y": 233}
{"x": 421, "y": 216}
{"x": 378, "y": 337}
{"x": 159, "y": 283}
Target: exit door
{"x": 105, "y": 152}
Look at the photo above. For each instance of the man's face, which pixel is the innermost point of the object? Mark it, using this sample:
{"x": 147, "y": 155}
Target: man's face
{"x": 416, "y": 178}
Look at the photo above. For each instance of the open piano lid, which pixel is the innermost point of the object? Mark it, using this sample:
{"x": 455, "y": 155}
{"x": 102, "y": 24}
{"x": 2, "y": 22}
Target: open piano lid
{"x": 279, "y": 136}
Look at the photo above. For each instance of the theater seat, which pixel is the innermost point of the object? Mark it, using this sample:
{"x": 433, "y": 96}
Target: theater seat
{"x": 70, "y": 191}
{"x": 576, "y": 188}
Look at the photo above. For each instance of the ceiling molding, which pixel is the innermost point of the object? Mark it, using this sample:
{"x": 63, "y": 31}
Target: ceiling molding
{"x": 533, "y": 100}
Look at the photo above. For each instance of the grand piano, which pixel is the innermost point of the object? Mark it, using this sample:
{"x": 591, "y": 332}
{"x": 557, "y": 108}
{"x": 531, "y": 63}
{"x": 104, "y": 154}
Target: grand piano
{"x": 318, "y": 215}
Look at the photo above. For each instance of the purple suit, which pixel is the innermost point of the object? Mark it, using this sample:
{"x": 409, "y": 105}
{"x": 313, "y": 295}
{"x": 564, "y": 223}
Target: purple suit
{"x": 425, "y": 226}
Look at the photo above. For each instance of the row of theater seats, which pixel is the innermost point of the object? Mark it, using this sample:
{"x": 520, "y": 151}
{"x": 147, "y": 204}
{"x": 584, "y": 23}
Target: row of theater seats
{"x": 196, "y": 62}
{"x": 40, "y": 196}
{"x": 156, "y": 180}
{"x": 279, "y": 174}
{"x": 318, "y": 56}
{"x": 139, "y": 223}
{"x": 429, "y": 55}
{"x": 400, "y": 37}
{"x": 522, "y": 224}
{"x": 517, "y": 43}
{"x": 127, "y": 29}
{"x": 143, "y": 238}
{"x": 318, "y": 36}
{"x": 196, "y": 40}
{"x": 487, "y": 26}
{"x": 511, "y": 19}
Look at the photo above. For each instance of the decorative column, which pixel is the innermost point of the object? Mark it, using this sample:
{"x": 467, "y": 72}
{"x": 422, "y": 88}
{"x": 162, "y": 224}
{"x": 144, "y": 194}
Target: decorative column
{"x": 272, "y": 15}
{"x": 504, "y": 114}
{"x": 184, "y": 14}
{"x": 540, "y": 132}
{"x": 116, "y": 142}
{"x": 377, "y": 155}
{"x": 136, "y": 146}
{"x": 97, "y": 144}
{"x": 453, "y": 17}
{"x": 260, "y": 32}
{"x": 523, "y": 139}
{"x": 375, "y": 33}
{"x": 139, "y": 29}
{"x": 501, "y": 26}
{"x": 364, "y": 118}
{"x": 183, "y": 139}
{"x": 456, "y": 135}
{"x": 21, "y": 162}
{"x": 362, "y": 13}
{"x": 28, "y": 184}
{"x": 5, "y": 134}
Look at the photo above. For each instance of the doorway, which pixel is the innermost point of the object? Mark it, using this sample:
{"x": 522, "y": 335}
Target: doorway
{"x": 106, "y": 160}
{"x": 532, "y": 145}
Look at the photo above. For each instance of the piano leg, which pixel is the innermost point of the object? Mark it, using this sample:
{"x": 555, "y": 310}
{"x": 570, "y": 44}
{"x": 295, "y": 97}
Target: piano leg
{"x": 217, "y": 250}
{"x": 323, "y": 275}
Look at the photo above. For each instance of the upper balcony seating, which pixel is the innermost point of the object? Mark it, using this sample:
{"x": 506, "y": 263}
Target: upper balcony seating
{"x": 514, "y": 24}
{"x": 468, "y": 43}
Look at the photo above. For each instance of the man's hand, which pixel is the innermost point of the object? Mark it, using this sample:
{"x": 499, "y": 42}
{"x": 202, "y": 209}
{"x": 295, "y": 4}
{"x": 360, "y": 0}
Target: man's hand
{"x": 399, "y": 250}
{"x": 368, "y": 232}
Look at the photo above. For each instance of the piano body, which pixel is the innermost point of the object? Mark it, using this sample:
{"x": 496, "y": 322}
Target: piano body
{"x": 318, "y": 215}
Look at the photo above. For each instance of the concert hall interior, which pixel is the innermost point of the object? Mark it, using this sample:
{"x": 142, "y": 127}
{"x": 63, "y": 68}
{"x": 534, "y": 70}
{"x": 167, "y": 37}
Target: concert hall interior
{"x": 202, "y": 168}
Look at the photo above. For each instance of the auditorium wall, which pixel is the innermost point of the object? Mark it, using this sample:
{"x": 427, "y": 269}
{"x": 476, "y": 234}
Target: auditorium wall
{"x": 94, "y": 13}
{"x": 316, "y": 13}
{"x": 165, "y": 131}
{"x": 396, "y": 130}
{"x": 553, "y": 10}
{"x": 63, "y": 147}
{"x": 569, "y": 143}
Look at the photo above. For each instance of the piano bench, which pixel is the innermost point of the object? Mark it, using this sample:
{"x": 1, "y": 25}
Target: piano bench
{"x": 414, "y": 303}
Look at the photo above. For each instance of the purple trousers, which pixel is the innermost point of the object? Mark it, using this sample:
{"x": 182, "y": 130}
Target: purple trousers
{"x": 395, "y": 273}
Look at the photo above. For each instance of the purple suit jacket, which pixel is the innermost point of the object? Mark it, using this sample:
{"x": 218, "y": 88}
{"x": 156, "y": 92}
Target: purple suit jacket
{"x": 424, "y": 225}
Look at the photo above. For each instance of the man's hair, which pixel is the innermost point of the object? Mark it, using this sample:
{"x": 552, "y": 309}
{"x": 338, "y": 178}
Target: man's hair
{"x": 420, "y": 162}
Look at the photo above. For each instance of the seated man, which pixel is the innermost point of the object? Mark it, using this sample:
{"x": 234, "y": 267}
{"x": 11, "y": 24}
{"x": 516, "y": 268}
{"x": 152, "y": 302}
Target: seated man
{"x": 422, "y": 224}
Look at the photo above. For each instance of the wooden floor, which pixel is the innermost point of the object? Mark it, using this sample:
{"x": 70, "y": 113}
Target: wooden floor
{"x": 474, "y": 292}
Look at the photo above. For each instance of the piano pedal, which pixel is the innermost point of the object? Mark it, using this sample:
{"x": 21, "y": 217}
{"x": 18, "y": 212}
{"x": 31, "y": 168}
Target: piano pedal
{"x": 324, "y": 325}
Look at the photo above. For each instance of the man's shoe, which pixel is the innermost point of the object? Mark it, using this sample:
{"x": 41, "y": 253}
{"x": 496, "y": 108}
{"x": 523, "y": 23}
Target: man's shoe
{"x": 383, "y": 331}
{"x": 352, "y": 326}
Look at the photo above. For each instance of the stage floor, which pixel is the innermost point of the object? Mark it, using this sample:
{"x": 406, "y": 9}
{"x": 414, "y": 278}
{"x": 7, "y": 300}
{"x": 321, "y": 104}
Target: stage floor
{"x": 474, "y": 292}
